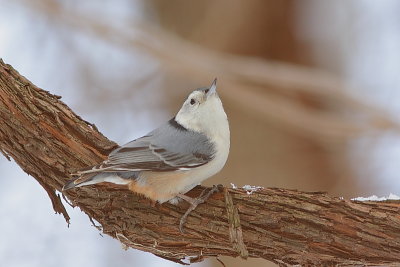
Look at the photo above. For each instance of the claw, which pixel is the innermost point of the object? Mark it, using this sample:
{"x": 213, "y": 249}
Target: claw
{"x": 194, "y": 202}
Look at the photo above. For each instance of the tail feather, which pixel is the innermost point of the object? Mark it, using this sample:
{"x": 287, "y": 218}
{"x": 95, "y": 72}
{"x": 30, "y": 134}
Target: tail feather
{"x": 95, "y": 178}
{"x": 80, "y": 181}
{"x": 68, "y": 185}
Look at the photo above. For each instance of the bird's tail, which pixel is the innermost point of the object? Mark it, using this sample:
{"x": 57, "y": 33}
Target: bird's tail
{"x": 84, "y": 179}
{"x": 99, "y": 177}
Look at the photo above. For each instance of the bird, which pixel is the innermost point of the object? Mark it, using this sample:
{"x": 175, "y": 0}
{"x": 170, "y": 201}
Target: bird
{"x": 169, "y": 161}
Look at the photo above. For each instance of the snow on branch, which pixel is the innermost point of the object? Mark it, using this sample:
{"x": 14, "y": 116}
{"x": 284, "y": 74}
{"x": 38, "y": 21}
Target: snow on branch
{"x": 376, "y": 198}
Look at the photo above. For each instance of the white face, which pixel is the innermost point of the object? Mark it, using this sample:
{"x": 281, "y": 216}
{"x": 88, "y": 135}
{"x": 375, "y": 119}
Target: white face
{"x": 202, "y": 111}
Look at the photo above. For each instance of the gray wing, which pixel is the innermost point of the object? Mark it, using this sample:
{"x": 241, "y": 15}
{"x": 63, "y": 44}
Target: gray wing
{"x": 170, "y": 147}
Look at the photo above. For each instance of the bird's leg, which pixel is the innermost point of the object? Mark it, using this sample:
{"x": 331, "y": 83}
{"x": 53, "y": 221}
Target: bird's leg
{"x": 194, "y": 202}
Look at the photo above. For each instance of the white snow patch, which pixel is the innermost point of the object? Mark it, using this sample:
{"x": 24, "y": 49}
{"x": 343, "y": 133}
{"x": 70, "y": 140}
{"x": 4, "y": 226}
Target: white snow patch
{"x": 376, "y": 198}
{"x": 251, "y": 188}
{"x": 393, "y": 197}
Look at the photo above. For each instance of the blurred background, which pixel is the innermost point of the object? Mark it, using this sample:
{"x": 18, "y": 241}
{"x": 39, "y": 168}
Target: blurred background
{"x": 311, "y": 89}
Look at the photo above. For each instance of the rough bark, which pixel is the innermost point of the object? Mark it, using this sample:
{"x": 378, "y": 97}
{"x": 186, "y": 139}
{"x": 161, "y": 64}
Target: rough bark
{"x": 287, "y": 227}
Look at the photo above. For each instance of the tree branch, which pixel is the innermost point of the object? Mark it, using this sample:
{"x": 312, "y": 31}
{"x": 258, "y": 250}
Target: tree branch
{"x": 287, "y": 227}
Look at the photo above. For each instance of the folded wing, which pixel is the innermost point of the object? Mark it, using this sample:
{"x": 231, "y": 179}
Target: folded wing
{"x": 167, "y": 148}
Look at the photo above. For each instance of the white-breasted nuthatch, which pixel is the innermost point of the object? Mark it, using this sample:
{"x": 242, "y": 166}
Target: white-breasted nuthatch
{"x": 172, "y": 159}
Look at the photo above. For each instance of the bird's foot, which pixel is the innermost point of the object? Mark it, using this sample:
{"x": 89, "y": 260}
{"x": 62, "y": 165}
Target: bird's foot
{"x": 194, "y": 202}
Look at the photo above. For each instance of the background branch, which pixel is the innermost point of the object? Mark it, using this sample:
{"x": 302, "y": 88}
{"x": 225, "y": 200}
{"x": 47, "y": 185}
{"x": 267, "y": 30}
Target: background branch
{"x": 287, "y": 227}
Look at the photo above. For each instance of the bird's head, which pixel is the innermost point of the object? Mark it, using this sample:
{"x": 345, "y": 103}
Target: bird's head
{"x": 202, "y": 111}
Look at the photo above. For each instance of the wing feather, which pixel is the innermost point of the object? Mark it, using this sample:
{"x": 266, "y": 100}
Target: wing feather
{"x": 167, "y": 148}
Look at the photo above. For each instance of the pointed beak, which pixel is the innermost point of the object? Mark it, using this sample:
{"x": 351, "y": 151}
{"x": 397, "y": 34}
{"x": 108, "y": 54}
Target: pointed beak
{"x": 213, "y": 88}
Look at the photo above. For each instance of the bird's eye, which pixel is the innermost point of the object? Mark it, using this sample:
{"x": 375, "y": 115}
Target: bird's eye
{"x": 192, "y": 101}
{"x": 206, "y": 91}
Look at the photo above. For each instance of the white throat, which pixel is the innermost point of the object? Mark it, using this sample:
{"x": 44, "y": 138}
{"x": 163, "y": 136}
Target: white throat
{"x": 209, "y": 118}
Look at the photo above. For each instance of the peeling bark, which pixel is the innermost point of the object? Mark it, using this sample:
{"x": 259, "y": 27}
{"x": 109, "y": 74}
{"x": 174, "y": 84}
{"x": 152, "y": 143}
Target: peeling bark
{"x": 287, "y": 227}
